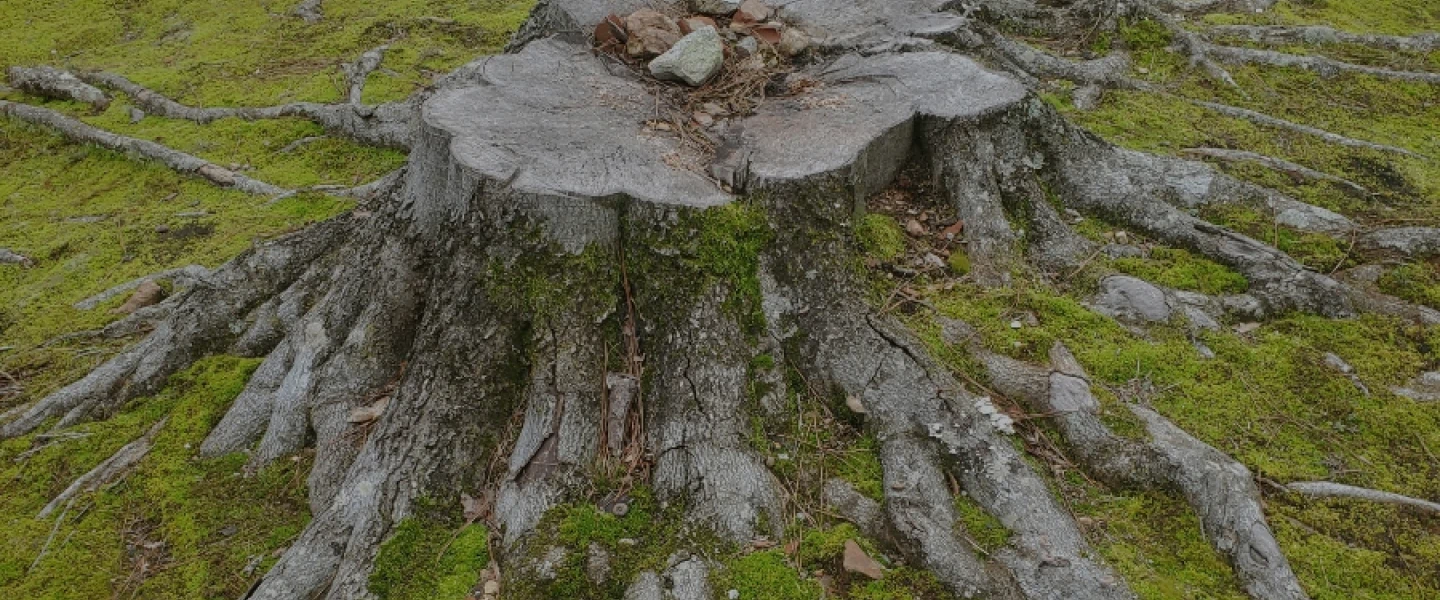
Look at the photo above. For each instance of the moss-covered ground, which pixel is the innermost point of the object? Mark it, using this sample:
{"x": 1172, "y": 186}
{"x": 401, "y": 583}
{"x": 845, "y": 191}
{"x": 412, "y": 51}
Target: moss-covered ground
{"x": 182, "y": 527}
{"x": 179, "y": 526}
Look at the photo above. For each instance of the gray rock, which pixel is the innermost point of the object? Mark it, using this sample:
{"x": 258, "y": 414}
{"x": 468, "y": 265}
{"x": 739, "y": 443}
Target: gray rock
{"x": 136, "y": 115}
{"x": 749, "y": 44}
{"x": 715, "y": 7}
{"x": 693, "y": 59}
{"x": 9, "y": 257}
{"x": 597, "y": 564}
{"x": 1425, "y": 387}
{"x": 1129, "y": 299}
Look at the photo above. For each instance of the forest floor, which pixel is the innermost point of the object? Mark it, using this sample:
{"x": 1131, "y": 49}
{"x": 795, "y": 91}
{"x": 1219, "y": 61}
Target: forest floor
{"x": 182, "y": 527}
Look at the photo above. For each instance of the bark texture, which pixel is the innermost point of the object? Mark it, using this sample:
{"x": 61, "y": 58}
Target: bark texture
{"x": 538, "y": 224}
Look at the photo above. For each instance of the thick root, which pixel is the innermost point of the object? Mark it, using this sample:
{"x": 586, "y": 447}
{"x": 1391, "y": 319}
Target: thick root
{"x": 1220, "y": 489}
{"x": 170, "y": 157}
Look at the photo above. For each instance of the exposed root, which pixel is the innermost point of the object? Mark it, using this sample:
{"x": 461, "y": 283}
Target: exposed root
{"x": 201, "y": 324}
{"x": 1326, "y": 489}
{"x": 1319, "y": 64}
{"x": 556, "y": 442}
{"x": 9, "y": 257}
{"x": 1189, "y": 42}
{"x": 387, "y": 125}
{"x": 1269, "y": 121}
{"x": 184, "y": 277}
{"x": 1216, "y": 486}
{"x": 1110, "y": 71}
{"x": 108, "y": 470}
{"x": 1280, "y": 35}
{"x": 1299, "y": 172}
{"x": 1401, "y": 242}
{"x": 358, "y": 72}
{"x": 928, "y": 426}
{"x": 170, "y": 157}
{"x": 309, "y": 10}
{"x": 698, "y": 357}
{"x": 49, "y": 82}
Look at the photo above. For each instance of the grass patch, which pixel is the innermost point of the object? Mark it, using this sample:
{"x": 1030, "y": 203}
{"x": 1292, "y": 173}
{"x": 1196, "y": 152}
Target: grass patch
{"x": 176, "y": 527}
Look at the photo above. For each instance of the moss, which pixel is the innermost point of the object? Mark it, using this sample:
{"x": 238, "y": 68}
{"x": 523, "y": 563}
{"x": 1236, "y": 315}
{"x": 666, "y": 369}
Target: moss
{"x": 981, "y": 526}
{"x": 765, "y": 574}
{"x": 428, "y": 558}
{"x": 959, "y": 262}
{"x": 1156, "y": 544}
{"x": 728, "y": 247}
{"x": 880, "y": 236}
{"x": 1177, "y": 268}
{"x": 657, "y": 534}
{"x": 198, "y": 523}
{"x": 1321, "y": 252}
{"x": 903, "y": 583}
{"x": 1415, "y": 282}
{"x": 1144, "y": 34}
{"x": 860, "y": 466}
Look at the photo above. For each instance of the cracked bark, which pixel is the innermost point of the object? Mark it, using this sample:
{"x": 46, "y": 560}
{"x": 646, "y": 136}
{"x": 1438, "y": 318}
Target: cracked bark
{"x": 403, "y": 308}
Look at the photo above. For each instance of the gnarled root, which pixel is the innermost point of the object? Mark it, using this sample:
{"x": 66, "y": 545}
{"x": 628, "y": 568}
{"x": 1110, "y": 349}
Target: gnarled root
{"x": 1220, "y": 489}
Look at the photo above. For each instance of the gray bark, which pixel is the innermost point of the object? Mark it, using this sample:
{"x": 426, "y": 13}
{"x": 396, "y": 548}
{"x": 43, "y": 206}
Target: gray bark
{"x": 400, "y": 340}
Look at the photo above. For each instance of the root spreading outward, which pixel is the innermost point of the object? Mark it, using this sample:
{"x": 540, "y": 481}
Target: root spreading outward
{"x": 537, "y": 220}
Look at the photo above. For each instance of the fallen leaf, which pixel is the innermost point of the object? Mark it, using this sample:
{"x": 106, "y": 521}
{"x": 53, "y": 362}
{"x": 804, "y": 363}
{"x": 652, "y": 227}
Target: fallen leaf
{"x": 857, "y": 561}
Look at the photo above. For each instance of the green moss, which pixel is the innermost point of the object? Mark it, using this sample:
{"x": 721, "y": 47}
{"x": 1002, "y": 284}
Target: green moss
{"x": 981, "y": 526}
{"x": 1177, "y": 268}
{"x": 959, "y": 262}
{"x": 425, "y": 558}
{"x": 880, "y": 236}
{"x": 1144, "y": 34}
{"x": 200, "y": 519}
{"x": 903, "y": 583}
{"x": 728, "y": 247}
{"x": 656, "y": 532}
{"x": 1415, "y": 282}
{"x": 764, "y": 574}
{"x": 859, "y": 464}
{"x": 1321, "y": 252}
{"x": 1156, "y": 544}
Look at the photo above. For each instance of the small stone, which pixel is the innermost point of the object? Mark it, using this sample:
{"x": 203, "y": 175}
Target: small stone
{"x": 229, "y": 530}
{"x": 1016, "y": 324}
{"x": 693, "y": 59}
{"x": 626, "y": 541}
{"x": 651, "y": 33}
{"x": 1085, "y": 521}
{"x": 620, "y": 509}
{"x": 162, "y": 229}
{"x": 752, "y": 11}
{"x": 597, "y": 564}
{"x": 934, "y": 261}
{"x": 715, "y": 7}
{"x": 769, "y": 461}
{"x": 857, "y": 561}
{"x": 148, "y": 293}
{"x": 1130, "y": 299}
{"x": 793, "y": 41}
{"x": 1335, "y": 362}
{"x": 492, "y": 587}
{"x": 1122, "y": 238}
{"x": 749, "y": 44}
{"x": 732, "y": 594}
{"x": 135, "y": 115}
{"x": 689, "y": 25}
{"x": 913, "y": 227}
{"x": 769, "y": 33}
{"x": 854, "y": 404}
{"x": 704, "y": 119}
